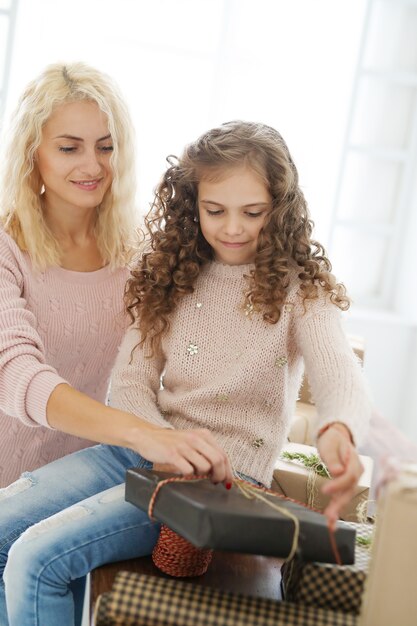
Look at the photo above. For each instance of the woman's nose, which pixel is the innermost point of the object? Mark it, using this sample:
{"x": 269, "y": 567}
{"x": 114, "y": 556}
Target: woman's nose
{"x": 91, "y": 163}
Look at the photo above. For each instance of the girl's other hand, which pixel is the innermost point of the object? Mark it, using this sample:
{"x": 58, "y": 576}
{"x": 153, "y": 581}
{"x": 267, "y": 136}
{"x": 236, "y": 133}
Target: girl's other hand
{"x": 339, "y": 454}
{"x": 186, "y": 452}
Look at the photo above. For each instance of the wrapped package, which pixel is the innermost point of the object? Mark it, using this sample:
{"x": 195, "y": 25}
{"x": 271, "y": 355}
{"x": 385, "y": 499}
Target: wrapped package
{"x": 390, "y": 595}
{"x": 302, "y": 423}
{"x": 335, "y": 587}
{"x": 294, "y": 480}
{"x": 209, "y": 516}
{"x": 141, "y": 600}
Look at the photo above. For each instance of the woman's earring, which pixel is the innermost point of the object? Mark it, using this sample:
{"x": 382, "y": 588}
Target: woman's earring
{"x": 195, "y": 218}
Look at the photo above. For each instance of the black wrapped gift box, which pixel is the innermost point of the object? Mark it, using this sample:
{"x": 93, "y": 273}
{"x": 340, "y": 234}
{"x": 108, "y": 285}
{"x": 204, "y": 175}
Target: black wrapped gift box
{"x": 209, "y": 516}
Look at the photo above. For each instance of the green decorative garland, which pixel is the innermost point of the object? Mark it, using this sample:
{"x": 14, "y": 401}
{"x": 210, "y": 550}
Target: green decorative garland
{"x": 310, "y": 461}
{"x": 364, "y": 542}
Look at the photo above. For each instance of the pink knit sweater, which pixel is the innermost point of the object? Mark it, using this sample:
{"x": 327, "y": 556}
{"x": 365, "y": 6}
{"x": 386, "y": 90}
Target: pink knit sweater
{"x": 55, "y": 326}
{"x": 226, "y": 369}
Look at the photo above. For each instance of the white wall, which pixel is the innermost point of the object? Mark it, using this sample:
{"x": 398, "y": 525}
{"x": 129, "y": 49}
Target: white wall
{"x": 187, "y": 65}
{"x": 391, "y": 337}
{"x": 390, "y": 364}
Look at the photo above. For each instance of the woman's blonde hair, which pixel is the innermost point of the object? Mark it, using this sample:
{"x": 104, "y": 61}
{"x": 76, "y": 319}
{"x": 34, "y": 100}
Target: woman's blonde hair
{"x": 20, "y": 187}
{"x": 178, "y": 250}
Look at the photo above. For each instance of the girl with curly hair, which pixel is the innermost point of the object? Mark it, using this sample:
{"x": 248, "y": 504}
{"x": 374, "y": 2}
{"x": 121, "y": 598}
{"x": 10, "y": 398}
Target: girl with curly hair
{"x": 228, "y": 300}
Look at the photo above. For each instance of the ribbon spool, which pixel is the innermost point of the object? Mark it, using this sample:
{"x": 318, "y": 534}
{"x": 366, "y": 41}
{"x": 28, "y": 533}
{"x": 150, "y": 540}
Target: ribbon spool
{"x": 176, "y": 556}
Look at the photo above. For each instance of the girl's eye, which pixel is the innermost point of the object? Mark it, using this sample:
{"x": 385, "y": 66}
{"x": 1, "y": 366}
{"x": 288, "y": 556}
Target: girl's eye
{"x": 106, "y": 148}
{"x": 216, "y": 212}
{"x": 254, "y": 214}
{"x": 67, "y": 149}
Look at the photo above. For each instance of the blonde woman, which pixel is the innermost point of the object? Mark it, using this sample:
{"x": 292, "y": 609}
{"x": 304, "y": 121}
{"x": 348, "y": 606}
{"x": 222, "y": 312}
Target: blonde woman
{"x": 67, "y": 220}
{"x": 67, "y": 200}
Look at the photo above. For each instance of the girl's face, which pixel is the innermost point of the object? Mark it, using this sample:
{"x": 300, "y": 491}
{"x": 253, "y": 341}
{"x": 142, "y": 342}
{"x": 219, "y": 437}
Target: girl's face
{"x": 73, "y": 157}
{"x": 232, "y": 211}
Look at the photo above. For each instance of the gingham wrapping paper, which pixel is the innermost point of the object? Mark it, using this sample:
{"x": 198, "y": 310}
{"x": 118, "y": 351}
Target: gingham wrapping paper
{"x": 101, "y": 611}
{"x": 339, "y": 588}
{"x": 141, "y": 600}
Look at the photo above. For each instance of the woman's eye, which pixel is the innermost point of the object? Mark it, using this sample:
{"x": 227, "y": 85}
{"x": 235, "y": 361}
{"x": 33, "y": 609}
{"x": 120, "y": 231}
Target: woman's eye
{"x": 67, "y": 149}
{"x": 254, "y": 214}
{"x": 106, "y": 148}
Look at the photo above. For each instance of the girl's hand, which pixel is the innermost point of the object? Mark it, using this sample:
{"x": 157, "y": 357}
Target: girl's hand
{"x": 186, "y": 452}
{"x": 339, "y": 454}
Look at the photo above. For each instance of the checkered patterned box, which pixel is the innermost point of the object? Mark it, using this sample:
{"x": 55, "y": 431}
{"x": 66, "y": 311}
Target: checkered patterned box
{"x": 339, "y": 588}
{"x": 140, "y": 600}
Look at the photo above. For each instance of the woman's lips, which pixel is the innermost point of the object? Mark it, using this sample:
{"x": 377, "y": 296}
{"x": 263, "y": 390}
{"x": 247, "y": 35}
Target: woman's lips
{"x": 86, "y": 185}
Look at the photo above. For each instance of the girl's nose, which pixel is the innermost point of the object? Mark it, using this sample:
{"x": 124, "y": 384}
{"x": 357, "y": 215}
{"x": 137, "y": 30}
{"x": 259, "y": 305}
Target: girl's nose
{"x": 233, "y": 226}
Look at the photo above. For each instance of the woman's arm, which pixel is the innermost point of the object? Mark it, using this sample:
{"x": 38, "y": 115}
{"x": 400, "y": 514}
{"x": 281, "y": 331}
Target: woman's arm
{"x": 26, "y": 379}
{"x": 32, "y": 391}
{"x": 189, "y": 452}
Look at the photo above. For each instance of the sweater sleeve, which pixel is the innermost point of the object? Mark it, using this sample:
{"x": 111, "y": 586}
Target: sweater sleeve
{"x": 337, "y": 383}
{"x": 136, "y": 380}
{"x": 26, "y": 380}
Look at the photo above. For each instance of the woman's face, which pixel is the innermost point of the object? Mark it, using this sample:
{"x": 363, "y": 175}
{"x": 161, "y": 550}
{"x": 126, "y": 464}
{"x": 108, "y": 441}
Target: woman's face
{"x": 73, "y": 157}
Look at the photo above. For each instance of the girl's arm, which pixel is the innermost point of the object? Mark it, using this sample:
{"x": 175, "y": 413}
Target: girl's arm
{"x": 337, "y": 383}
{"x": 336, "y": 448}
{"x": 340, "y": 395}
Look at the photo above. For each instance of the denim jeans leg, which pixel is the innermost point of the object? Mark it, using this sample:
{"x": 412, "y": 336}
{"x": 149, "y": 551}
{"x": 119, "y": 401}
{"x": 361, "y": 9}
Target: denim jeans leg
{"x": 44, "y": 492}
{"x": 101, "y": 529}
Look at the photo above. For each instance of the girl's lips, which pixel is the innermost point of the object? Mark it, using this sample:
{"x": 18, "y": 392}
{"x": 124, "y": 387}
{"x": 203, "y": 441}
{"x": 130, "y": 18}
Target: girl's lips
{"x": 230, "y": 244}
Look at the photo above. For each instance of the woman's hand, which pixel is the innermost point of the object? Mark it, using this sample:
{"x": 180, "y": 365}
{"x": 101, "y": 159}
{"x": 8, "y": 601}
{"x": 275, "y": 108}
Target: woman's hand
{"x": 339, "y": 454}
{"x": 186, "y": 452}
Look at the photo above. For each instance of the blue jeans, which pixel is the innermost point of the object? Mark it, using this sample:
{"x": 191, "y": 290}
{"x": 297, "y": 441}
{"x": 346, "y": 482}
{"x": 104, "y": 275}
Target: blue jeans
{"x": 60, "y": 522}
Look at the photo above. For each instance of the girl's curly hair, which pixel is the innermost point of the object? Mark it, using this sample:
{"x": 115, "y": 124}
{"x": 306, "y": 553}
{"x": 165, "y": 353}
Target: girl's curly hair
{"x": 176, "y": 249}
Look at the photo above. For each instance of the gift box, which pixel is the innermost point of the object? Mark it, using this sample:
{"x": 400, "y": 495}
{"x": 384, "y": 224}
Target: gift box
{"x": 141, "y": 600}
{"x": 339, "y": 588}
{"x": 390, "y": 595}
{"x": 209, "y": 516}
{"x": 301, "y": 424}
{"x": 294, "y": 480}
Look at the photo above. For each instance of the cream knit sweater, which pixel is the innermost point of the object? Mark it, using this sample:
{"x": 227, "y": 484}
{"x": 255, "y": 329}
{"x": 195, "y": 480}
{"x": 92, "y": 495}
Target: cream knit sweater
{"x": 55, "y": 326}
{"x": 229, "y": 371}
